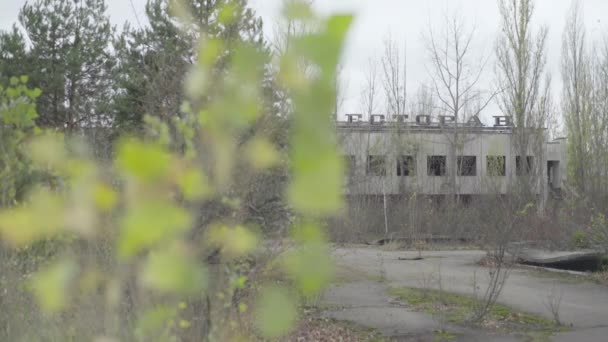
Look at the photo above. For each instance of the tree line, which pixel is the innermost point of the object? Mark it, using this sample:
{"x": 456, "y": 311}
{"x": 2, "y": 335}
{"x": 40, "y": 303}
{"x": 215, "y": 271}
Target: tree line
{"x": 93, "y": 74}
{"x": 521, "y": 85}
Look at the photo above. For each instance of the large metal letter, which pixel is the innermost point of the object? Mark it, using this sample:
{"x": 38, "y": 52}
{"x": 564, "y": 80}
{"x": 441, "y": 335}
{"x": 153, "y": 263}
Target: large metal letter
{"x": 426, "y": 118}
{"x": 373, "y": 121}
{"x": 502, "y": 121}
{"x": 474, "y": 121}
{"x": 354, "y": 117}
{"x": 450, "y": 119}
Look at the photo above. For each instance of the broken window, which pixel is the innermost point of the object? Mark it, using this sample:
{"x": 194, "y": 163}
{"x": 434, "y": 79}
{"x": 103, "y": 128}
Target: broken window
{"x": 436, "y": 165}
{"x": 467, "y": 165}
{"x": 496, "y": 165}
{"x": 524, "y": 170}
{"x": 406, "y": 166}
{"x": 553, "y": 174}
{"x": 376, "y": 165}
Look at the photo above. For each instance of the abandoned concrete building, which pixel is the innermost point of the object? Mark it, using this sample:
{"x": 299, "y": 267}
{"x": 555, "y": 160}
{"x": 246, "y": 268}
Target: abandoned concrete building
{"x": 401, "y": 156}
{"x": 401, "y": 171}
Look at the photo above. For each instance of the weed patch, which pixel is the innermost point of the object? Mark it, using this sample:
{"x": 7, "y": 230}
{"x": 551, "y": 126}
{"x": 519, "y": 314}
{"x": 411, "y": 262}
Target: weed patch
{"x": 459, "y": 309}
{"x": 443, "y": 335}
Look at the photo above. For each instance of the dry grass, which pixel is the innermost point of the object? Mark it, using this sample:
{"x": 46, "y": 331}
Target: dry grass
{"x": 600, "y": 277}
{"x": 313, "y": 329}
{"x": 394, "y": 245}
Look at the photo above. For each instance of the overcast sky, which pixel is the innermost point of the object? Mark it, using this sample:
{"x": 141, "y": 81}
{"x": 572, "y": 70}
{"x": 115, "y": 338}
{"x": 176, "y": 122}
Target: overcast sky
{"x": 405, "y": 20}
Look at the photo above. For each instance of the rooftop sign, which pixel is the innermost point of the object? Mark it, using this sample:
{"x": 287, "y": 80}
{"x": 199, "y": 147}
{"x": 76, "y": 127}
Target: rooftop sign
{"x": 426, "y": 120}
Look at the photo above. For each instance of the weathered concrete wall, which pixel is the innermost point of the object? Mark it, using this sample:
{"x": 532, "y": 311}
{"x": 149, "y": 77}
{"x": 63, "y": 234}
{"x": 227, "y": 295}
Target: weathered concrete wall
{"x": 363, "y": 140}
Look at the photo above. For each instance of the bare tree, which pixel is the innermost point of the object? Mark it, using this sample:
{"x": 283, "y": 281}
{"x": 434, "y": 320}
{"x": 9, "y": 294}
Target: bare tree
{"x": 498, "y": 234}
{"x": 598, "y": 143}
{"x": 576, "y": 96}
{"x": 341, "y": 89}
{"x": 525, "y": 96}
{"x": 394, "y": 74}
{"x": 553, "y": 303}
{"x": 455, "y": 78}
{"x": 521, "y": 60}
{"x": 369, "y": 95}
{"x": 393, "y": 84}
{"x": 520, "y": 73}
{"x": 424, "y": 102}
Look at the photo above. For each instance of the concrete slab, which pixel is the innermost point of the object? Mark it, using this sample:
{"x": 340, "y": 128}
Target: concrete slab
{"x": 584, "y": 304}
{"x": 583, "y": 260}
{"x": 583, "y": 335}
{"x": 546, "y": 257}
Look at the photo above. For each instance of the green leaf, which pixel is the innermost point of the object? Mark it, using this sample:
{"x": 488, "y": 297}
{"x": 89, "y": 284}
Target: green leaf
{"x": 310, "y": 266}
{"x": 297, "y": 9}
{"x": 36, "y": 93}
{"x": 148, "y": 222}
{"x": 194, "y": 185}
{"x": 317, "y": 184}
{"x": 307, "y": 233}
{"x": 261, "y": 154}
{"x": 234, "y": 242}
{"x": 324, "y": 48}
{"x": 317, "y": 168}
{"x": 227, "y": 14}
{"x": 50, "y": 286}
{"x": 155, "y": 322}
{"x": 171, "y": 271}
{"x": 275, "y": 312}
{"x": 48, "y": 151}
{"x": 42, "y": 218}
{"x": 146, "y": 161}
{"x": 105, "y": 197}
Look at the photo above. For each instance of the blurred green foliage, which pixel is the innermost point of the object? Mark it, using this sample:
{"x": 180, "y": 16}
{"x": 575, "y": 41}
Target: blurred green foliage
{"x": 136, "y": 252}
{"x": 17, "y": 124}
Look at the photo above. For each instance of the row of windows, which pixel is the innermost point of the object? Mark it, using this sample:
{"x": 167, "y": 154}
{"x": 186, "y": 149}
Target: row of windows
{"x": 437, "y": 165}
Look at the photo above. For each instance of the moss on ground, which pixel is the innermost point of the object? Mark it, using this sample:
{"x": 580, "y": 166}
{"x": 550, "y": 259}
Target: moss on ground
{"x": 443, "y": 335}
{"x": 459, "y": 309}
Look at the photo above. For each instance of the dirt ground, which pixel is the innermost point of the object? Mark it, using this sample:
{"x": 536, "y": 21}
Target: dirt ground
{"x": 365, "y": 275}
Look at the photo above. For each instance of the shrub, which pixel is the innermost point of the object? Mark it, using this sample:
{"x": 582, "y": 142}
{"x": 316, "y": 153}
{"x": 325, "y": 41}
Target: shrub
{"x": 580, "y": 239}
{"x": 599, "y": 231}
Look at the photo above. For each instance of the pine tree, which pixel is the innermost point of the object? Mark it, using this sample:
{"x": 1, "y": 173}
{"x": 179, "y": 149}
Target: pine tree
{"x": 70, "y": 59}
{"x": 154, "y": 60}
{"x": 13, "y": 55}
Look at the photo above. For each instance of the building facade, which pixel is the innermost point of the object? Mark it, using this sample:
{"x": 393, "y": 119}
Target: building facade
{"x": 440, "y": 158}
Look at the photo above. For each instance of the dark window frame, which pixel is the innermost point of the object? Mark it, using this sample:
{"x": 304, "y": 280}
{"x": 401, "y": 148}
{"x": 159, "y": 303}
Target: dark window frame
{"x": 406, "y": 166}
{"x": 467, "y": 166}
{"x": 376, "y": 165}
{"x": 436, "y": 166}
{"x": 496, "y": 166}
